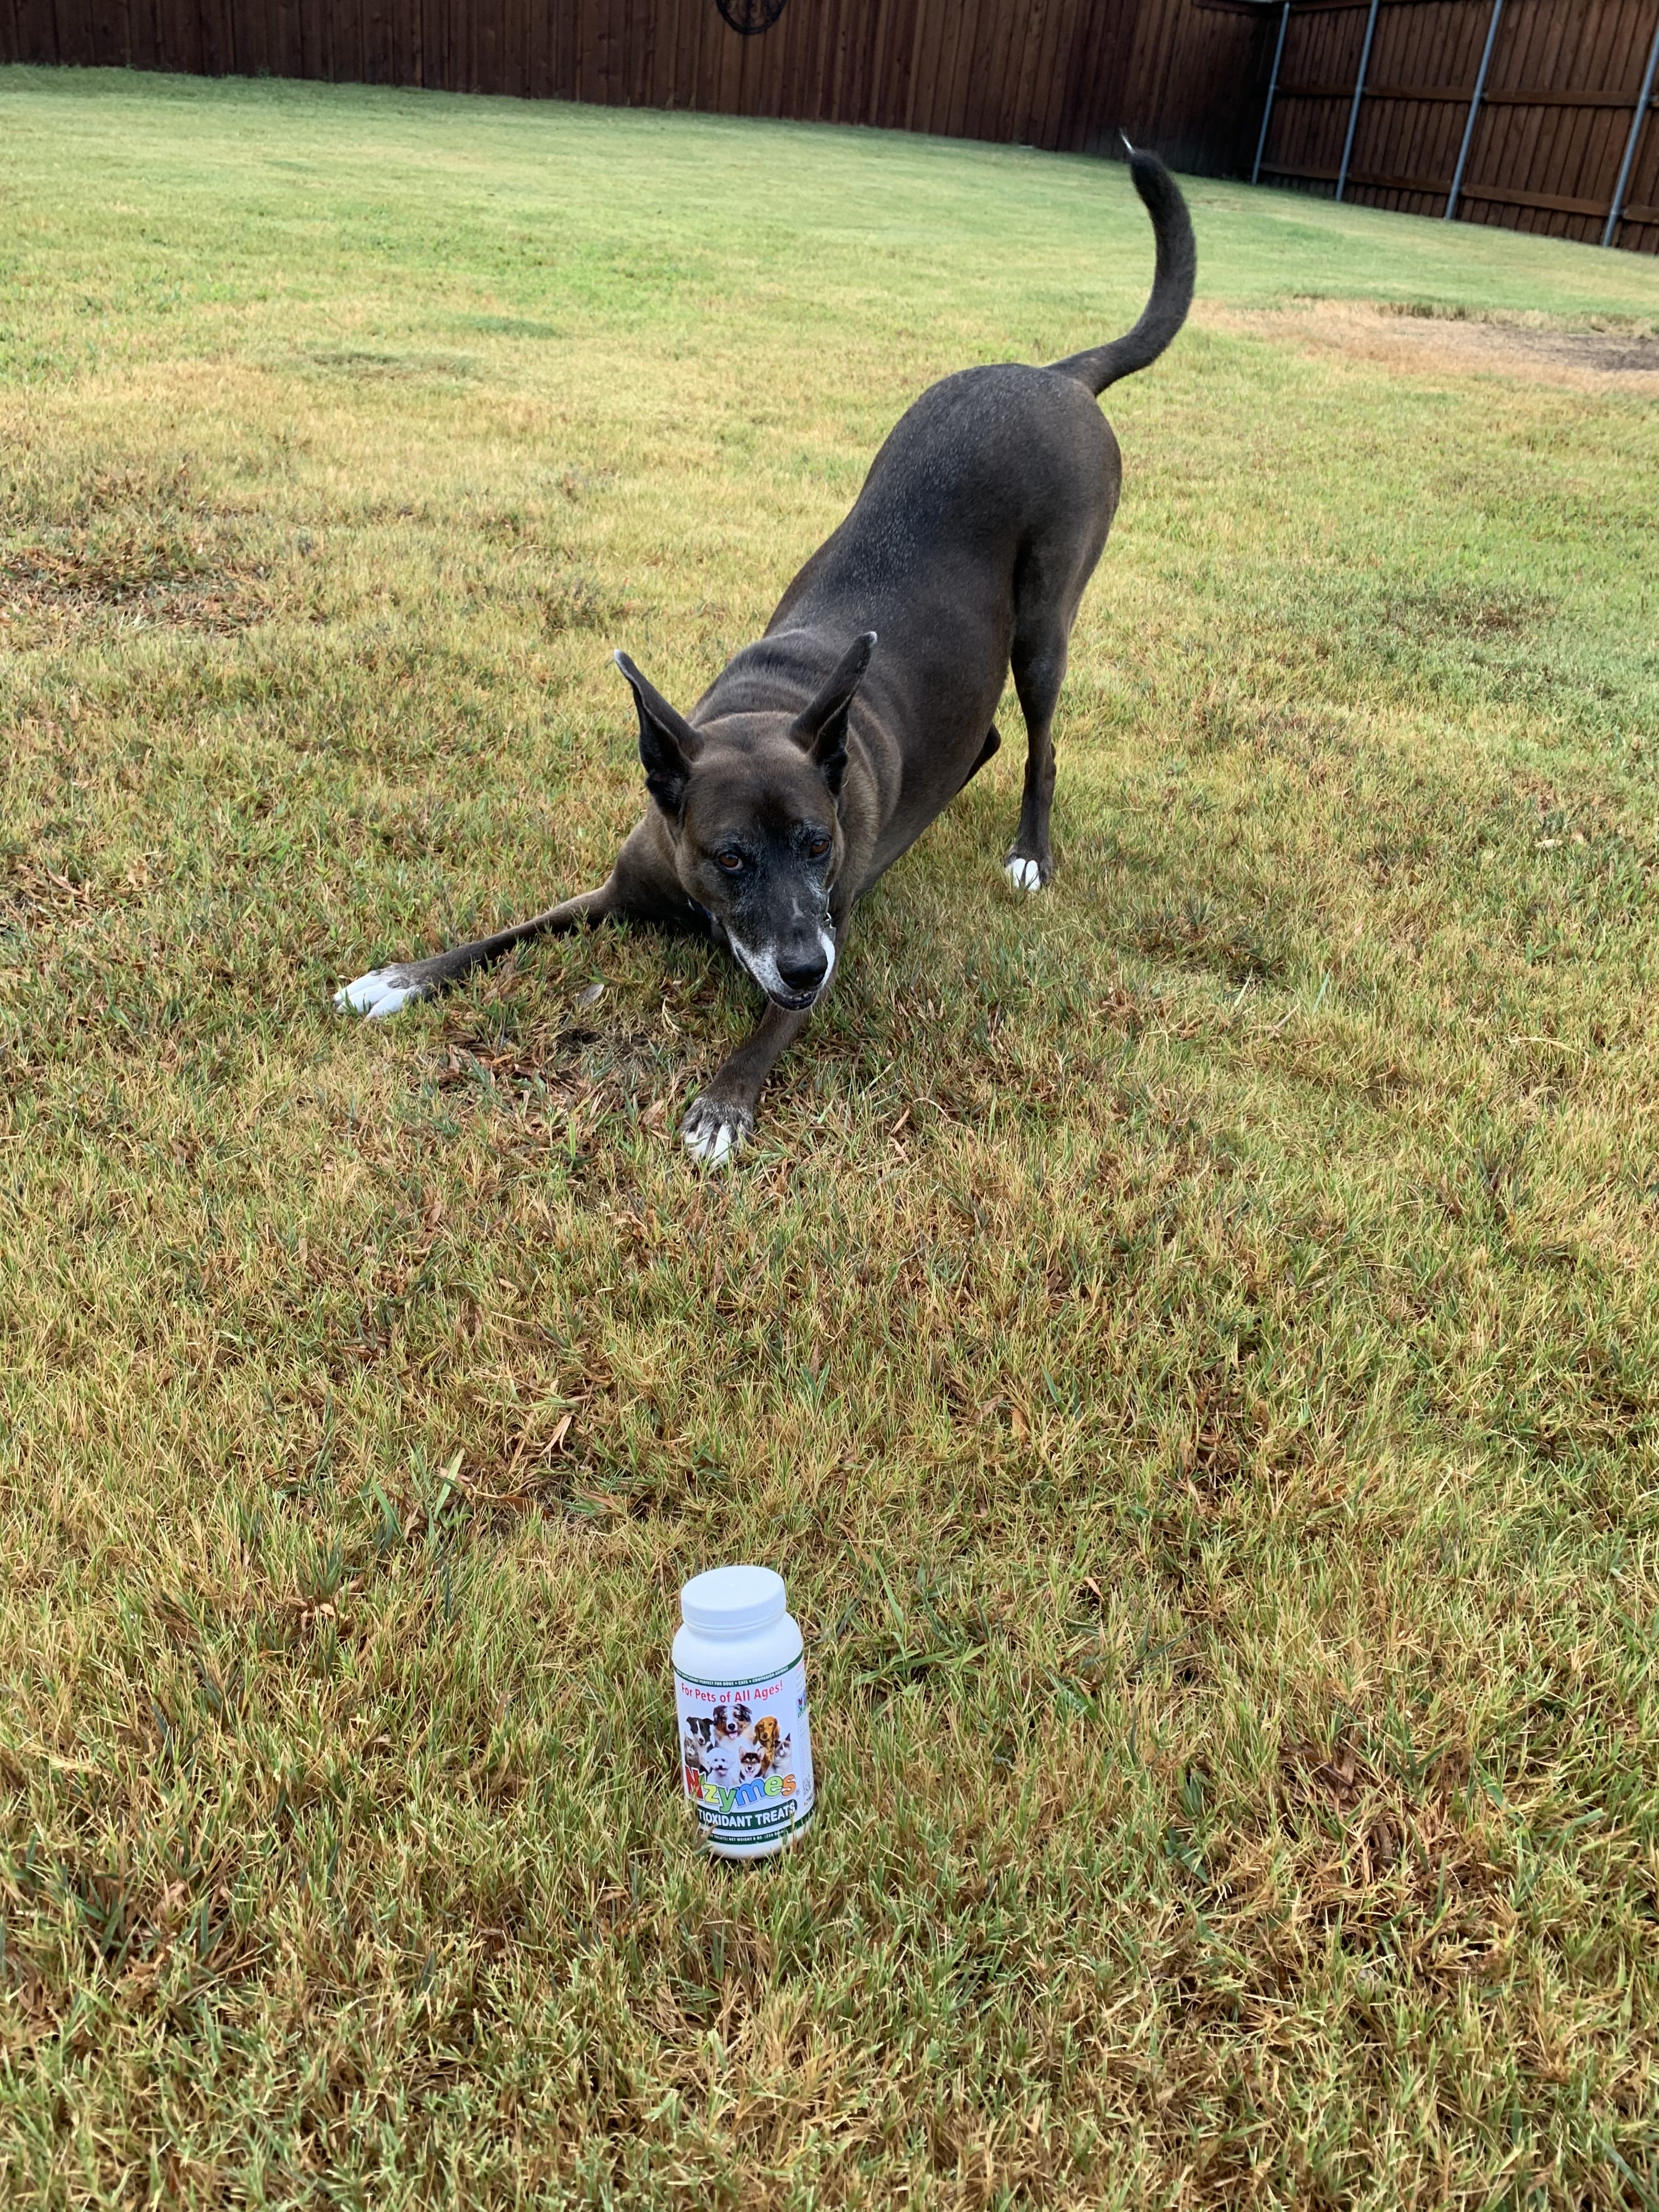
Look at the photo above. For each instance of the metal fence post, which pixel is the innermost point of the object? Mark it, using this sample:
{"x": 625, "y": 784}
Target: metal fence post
{"x": 1474, "y": 109}
{"x": 1359, "y": 94}
{"x": 1630, "y": 143}
{"x": 1273, "y": 86}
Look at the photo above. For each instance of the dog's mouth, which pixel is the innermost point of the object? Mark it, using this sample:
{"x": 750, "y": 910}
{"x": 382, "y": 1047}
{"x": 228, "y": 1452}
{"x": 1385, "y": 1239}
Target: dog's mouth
{"x": 763, "y": 968}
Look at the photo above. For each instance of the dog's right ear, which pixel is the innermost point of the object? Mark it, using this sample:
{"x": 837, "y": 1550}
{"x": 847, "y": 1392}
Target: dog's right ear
{"x": 821, "y": 728}
{"x": 668, "y": 744}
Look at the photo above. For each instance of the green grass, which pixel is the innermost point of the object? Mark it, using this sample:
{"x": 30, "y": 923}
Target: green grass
{"x": 1189, "y": 1340}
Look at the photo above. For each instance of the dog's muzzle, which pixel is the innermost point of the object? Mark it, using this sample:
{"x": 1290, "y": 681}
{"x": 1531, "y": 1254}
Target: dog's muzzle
{"x": 794, "y": 981}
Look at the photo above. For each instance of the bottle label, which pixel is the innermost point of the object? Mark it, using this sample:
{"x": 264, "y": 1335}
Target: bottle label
{"x": 746, "y": 1754}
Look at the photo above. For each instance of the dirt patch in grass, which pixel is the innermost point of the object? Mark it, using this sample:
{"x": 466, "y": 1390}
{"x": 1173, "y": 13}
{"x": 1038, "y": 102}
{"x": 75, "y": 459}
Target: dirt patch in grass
{"x": 30, "y": 893}
{"x": 1430, "y": 612}
{"x": 1371, "y": 1856}
{"x": 135, "y": 578}
{"x": 546, "y": 1084}
{"x": 1195, "y": 933}
{"x": 579, "y": 602}
{"x": 1420, "y": 341}
{"x": 367, "y": 365}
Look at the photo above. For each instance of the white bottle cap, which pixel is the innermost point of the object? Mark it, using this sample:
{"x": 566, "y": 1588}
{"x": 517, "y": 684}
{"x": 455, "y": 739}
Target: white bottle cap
{"x": 733, "y": 1600}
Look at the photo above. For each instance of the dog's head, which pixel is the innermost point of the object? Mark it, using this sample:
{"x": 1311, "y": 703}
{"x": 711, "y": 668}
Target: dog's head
{"x": 752, "y": 802}
{"x": 766, "y": 1746}
{"x": 721, "y": 1752}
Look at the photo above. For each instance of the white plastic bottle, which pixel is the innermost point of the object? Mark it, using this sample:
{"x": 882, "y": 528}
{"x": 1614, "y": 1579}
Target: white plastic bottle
{"x": 740, "y": 1687}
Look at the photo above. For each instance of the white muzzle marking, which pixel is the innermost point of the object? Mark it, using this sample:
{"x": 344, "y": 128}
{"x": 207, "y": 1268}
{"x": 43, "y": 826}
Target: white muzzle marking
{"x": 763, "y": 966}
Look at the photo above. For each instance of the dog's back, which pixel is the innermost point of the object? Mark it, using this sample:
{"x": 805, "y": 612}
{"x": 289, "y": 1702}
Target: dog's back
{"x": 979, "y": 522}
{"x": 998, "y": 483}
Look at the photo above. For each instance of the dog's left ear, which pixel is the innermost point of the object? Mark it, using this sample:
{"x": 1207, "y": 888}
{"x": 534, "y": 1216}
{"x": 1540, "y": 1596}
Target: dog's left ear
{"x": 821, "y": 728}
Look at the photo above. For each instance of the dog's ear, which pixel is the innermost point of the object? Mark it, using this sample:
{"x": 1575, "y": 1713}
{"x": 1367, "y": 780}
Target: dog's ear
{"x": 821, "y": 729}
{"x": 668, "y": 744}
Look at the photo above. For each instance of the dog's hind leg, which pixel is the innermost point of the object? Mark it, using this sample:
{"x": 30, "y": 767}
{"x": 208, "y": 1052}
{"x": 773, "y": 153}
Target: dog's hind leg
{"x": 1039, "y": 668}
{"x": 383, "y": 991}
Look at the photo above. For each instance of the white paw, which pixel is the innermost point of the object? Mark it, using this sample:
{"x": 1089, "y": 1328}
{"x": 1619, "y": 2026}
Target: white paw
{"x": 713, "y": 1132}
{"x": 382, "y": 992}
{"x": 1023, "y": 875}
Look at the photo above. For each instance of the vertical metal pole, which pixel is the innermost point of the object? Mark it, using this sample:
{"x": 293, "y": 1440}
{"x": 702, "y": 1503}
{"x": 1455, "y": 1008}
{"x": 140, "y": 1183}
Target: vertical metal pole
{"x": 1474, "y": 109}
{"x": 1359, "y": 94}
{"x": 1273, "y": 86}
{"x": 1630, "y": 143}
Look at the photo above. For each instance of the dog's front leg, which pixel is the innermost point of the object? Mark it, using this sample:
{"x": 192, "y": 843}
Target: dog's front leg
{"x": 722, "y": 1117}
{"x": 387, "y": 990}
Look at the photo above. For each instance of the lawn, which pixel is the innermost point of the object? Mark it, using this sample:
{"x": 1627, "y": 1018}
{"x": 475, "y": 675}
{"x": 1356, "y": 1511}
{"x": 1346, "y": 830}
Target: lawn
{"x": 1189, "y": 1339}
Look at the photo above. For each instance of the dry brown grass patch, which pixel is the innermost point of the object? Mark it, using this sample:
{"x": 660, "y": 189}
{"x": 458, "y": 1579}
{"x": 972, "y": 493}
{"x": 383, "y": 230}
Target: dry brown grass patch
{"x": 1415, "y": 342}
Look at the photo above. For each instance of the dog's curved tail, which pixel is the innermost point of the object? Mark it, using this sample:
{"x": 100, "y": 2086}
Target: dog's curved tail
{"x": 1172, "y": 285}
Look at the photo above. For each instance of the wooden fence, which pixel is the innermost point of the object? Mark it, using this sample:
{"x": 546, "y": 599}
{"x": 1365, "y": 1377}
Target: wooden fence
{"x": 1529, "y": 108}
{"x": 1550, "y": 131}
{"x": 1050, "y": 73}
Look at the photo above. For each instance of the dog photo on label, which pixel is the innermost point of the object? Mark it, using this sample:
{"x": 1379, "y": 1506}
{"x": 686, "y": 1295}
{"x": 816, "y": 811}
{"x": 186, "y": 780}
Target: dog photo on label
{"x": 766, "y": 1746}
{"x": 699, "y": 1738}
{"x": 730, "y": 1748}
{"x": 821, "y": 752}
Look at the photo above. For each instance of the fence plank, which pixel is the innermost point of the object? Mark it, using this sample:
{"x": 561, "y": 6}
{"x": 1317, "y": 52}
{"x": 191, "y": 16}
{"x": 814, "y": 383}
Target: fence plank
{"x": 1548, "y": 136}
{"x": 1057, "y": 35}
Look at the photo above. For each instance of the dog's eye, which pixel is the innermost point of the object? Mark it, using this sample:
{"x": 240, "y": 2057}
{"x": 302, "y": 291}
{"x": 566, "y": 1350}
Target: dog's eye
{"x": 730, "y": 861}
{"x": 817, "y": 846}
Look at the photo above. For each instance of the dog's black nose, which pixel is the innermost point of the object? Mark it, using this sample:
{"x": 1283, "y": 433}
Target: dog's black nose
{"x": 803, "y": 971}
